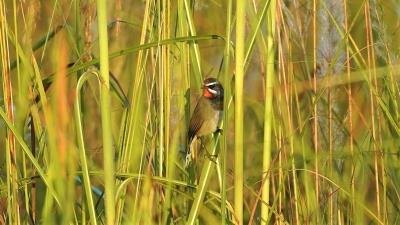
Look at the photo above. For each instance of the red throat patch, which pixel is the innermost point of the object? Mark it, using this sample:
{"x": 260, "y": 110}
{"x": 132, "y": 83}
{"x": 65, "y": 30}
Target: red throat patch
{"x": 207, "y": 93}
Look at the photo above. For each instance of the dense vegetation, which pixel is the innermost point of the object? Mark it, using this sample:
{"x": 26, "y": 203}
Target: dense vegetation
{"x": 96, "y": 98}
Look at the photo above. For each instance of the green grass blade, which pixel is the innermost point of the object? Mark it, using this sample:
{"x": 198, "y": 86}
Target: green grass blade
{"x": 28, "y": 153}
{"x": 108, "y": 152}
{"x": 268, "y": 115}
{"x": 239, "y": 78}
{"x": 227, "y": 96}
{"x": 202, "y": 187}
{"x": 82, "y": 152}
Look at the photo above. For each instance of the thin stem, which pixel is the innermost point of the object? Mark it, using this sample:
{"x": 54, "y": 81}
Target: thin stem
{"x": 315, "y": 110}
{"x": 268, "y": 113}
{"x": 108, "y": 152}
{"x": 239, "y": 78}
{"x": 227, "y": 92}
{"x": 82, "y": 150}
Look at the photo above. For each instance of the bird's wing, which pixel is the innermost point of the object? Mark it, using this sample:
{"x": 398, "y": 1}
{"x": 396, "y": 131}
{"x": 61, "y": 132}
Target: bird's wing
{"x": 194, "y": 127}
{"x": 195, "y": 123}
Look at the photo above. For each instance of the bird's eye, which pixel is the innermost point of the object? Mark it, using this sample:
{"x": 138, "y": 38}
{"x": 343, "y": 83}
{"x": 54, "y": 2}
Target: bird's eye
{"x": 212, "y": 86}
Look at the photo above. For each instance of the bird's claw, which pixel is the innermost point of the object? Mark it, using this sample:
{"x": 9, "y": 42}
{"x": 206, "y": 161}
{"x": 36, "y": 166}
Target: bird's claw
{"x": 219, "y": 130}
{"x": 212, "y": 158}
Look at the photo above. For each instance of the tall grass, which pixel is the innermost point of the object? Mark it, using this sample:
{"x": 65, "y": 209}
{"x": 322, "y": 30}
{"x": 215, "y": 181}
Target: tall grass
{"x": 269, "y": 87}
{"x": 239, "y": 80}
{"x": 108, "y": 152}
{"x": 227, "y": 98}
{"x": 10, "y": 148}
{"x": 310, "y": 129}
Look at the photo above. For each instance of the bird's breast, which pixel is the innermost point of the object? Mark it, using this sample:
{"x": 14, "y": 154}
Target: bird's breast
{"x": 210, "y": 126}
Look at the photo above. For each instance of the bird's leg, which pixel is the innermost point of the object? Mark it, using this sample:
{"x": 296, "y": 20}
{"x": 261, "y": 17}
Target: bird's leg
{"x": 211, "y": 157}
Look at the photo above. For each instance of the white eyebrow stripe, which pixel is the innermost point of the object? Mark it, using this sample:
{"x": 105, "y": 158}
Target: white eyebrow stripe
{"x": 212, "y": 83}
{"x": 212, "y": 91}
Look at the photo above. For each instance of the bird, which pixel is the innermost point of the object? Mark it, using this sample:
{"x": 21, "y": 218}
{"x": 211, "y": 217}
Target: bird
{"x": 207, "y": 114}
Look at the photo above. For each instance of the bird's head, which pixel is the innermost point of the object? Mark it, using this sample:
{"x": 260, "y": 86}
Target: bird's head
{"x": 212, "y": 89}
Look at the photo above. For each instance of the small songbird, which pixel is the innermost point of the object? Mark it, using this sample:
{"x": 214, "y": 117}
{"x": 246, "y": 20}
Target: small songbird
{"x": 208, "y": 113}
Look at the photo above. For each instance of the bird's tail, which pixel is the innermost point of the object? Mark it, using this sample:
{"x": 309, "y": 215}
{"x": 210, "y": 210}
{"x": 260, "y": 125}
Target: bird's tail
{"x": 188, "y": 157}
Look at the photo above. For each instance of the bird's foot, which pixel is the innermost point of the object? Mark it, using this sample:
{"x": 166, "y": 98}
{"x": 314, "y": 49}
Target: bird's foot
{"x": 219, "y": 131}
{"x": 211, "y": 157}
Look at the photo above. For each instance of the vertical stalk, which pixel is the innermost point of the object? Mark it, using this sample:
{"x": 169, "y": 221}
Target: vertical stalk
{"x": 239, "y": 77}
{"x": 135, "y": 94}
{"x": 108, "y": 152}
{"x": 289, "y": 112}
{"x": 167, "y": 79}
{"x": 11, "y": 154}
{"x": 29, "y": 190}
{"x": 330, "y": 160}
{"x": 167, "y": 106}
{"x": 194, "y": 48}
{"x": 226, "y": 102}
{"x": 269, "y": 86}
{"x": 280, "y": 100}
{"x": 374, "y": 112}
{"x": 82, "y": 150}
{"x": 161, "y": 86}
{"x": 315, "y": 110}
{"x": 349, "y": 94}
{"x": 201, "y": 190}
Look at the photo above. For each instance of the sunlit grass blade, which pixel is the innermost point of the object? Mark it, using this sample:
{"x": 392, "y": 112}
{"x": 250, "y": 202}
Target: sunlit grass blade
{"x": 227, "y": 95}
{"x": 82, "y": 151}
{"x": 13, "y": 211}
{"x": 108, "y": 152}
{"x": 239, "y": 79}
{"x": 269, "y": 86}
